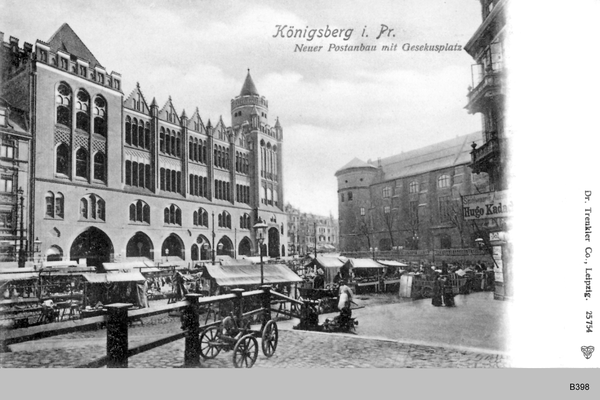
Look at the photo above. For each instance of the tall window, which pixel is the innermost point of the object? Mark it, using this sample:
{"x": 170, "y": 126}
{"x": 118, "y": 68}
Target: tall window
{"x": 62, "y": 159}
{"x": 444, "y": 208}
{"x": 99, "y": 167}
{"x": 100, "y": 116}
{"x": 6, "y": 183}
{"x": 83, "y": 109}
{"x": 81, "y": 163}
{"x": 413, "y": 187}
{"x": 387, "y": 191}
{"x": 443, "y": 181}
{"x": 201, "y": 217}
{"x": 63, "y": 104}
{"x": 128, "y": 130}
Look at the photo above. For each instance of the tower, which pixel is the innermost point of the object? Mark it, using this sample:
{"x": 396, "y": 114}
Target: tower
{"x": 354, "y": 203}
{"x": 261, "y": 144}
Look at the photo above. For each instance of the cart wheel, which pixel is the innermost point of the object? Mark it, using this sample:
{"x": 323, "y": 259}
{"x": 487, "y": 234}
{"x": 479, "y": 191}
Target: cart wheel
{"x": 245, "y": 352}
{"x": 209, "y": 346}
{"x": 270, "y": 336}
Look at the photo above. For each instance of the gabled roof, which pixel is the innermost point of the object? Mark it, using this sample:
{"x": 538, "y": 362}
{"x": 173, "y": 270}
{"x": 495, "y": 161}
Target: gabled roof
{"x": 355, "y": 163}
{"x": 249, "y": 89}
{"x": 441, "y": 155}
{"x": 131, "y": 98}
{"x": 66, "y": 39}
{"x": 168, "y": 107}
{"x": 196, "y": 118}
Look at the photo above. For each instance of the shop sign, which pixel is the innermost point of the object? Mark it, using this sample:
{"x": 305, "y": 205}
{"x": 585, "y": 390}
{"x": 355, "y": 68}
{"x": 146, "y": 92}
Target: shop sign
{"x": 486, "y": 205}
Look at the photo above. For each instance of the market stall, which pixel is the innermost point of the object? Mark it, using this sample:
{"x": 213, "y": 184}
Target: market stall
{"x": 330, "y": 266}
{"x": 392, "y": 274}
{"x": 367, "y": 274}
{"x": 107, "y": 288}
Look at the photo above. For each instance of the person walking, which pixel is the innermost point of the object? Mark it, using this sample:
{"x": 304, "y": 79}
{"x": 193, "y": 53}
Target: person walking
{"x": 436, "y": 299}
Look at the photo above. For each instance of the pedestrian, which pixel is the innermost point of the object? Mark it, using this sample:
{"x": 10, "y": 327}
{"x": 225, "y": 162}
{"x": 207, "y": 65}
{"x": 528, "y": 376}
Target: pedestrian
{"x": 319, "y": 282}
{"x": 436, "y": 299}
{"x": 448, "y": 293}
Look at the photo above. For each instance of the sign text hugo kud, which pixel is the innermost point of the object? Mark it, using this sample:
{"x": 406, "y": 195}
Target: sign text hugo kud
{"x": 486, "y": 205}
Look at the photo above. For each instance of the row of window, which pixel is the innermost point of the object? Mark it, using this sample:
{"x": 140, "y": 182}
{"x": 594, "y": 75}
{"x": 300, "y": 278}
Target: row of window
{"x": 91, "y": 207}
{"x": 170, "y": 142}
{"x": 198, "y": 185}
{"x": 242, "y": 163}
{"x": 80, "y": 70}
{"x": 138, "y": 174}
{"x": 242, "y": 194}
{"x": 82, "y": 106}
{"x": 221, "y": 159}
{"x": 170, "y": 180}
{"x": 82, "y": 170}
{"x": 222, "y": 190}
{"x": 137, "y": 133}
{"x": 198, "y": 150}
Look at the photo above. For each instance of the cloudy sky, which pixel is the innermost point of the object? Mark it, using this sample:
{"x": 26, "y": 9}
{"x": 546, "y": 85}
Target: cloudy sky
{"x": 333, "y": 106}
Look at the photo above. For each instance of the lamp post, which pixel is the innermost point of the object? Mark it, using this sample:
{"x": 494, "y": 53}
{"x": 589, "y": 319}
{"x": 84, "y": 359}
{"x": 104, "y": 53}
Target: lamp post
{"x": 37, "y": 247}
{"x": 21, "y": 236}
{"x": 260, "y": 228}
{"x": 213, "y": 238}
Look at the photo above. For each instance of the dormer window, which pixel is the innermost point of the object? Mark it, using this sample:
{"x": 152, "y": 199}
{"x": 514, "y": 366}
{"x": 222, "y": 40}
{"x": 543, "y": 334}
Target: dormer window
{"x": 82, "y": 70}
{"x": 2, "y": 117}
{"x": 101, "y": 78}
{"x": 64, "y": 63}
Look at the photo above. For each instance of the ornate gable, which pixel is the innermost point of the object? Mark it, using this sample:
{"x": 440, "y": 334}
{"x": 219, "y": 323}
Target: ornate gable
{"x": 168, "y": 113}
{"x": 137, "y": 101}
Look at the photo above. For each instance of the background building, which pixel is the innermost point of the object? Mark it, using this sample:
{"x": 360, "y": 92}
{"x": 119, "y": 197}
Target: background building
{"x": 308, "y": 231}
{"x": 486, "y": 96}
{"x": 119, "y": 177}
{"x": 410, "y": 203}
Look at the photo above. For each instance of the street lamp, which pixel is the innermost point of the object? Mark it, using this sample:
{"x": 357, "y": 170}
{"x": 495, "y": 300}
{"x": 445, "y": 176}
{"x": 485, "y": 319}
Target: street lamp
{"x": 260, "y": 227}
{"x": 21, "y": 237}
{"x": 37, "y": 247}
{"x": 213, "y": 238}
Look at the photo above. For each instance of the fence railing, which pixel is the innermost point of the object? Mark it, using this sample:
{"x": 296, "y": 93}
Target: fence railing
{"x": 118, "y": 318}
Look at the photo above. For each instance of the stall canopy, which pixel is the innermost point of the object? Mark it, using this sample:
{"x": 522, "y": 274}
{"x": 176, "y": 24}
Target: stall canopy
{"x": 65, "y": 270}
{"x": 122, "y": 277}
{"x": 249, "y": 274}
{"x": 392, "y": 263}
{"x": 363, "y": 263}
{"x": 330, "y": 266}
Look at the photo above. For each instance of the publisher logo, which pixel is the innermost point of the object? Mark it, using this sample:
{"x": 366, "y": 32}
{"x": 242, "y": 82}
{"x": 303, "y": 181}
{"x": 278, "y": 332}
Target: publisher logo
{"x": 587, "y": 351}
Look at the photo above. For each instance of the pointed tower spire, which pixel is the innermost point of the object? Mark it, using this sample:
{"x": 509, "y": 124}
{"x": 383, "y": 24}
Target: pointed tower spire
{"x": 277, "y": 124}
{"x": 153, "y": 104}
{"x": 183, "y": 114}
{"x": 249, "y": 89}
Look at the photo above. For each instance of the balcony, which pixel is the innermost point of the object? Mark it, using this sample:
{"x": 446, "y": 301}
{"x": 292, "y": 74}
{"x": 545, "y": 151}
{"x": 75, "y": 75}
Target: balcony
{"x": 484, "y": 155}
{"x": 490, "y": 85}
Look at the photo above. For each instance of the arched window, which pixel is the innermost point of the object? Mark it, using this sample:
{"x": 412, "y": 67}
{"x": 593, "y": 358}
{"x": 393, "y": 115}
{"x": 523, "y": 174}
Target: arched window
{"x": 173, "y": 215}
{"x": 220, "y": 218}
{"x": 139, "y": 211}
{"x": 83, "y": 108}
{"x": 204, "y": 214}
{"x": 100, "y": 116}
{"x": 62, "y": 159}
{"x": 147, "y": 134}
{"x": 99, "y": 167}
{"x": 128, "y": 130}
{"x": 59, "y": 206}
{"x": 50, "y": 205}
{"x": 141, "y": 134}
{"x": 81, "y": 163}
{"x": 92, "y": 207}
{"x": 134, "y": 132}
{"x": 63, "y": 104}
{"x": 443, "y": 181}
{"x": 83, "y": 208}
{"x": 162, "y": 139}
{"x": 413, "y": 187}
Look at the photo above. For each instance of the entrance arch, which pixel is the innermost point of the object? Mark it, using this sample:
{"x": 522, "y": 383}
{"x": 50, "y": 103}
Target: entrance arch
{"x": 225, "y": 247}
{"x": 204, "y": 246}
{"x": 245, "y": 247}
{"x": 140, "y": 246}
{"x": 93, "y": 245}
{"x": 174, "y": 244}
{"x": 273, "y": 242}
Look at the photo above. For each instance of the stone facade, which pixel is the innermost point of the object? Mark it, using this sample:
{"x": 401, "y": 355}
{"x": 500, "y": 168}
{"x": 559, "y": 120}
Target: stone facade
{"x": 411, "y": 201}
{"x": 116, "y": 177}
{"x": 308, "y": 231}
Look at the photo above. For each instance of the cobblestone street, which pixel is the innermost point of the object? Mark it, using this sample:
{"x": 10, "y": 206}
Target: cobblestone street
{"x": 384, "y": 340}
